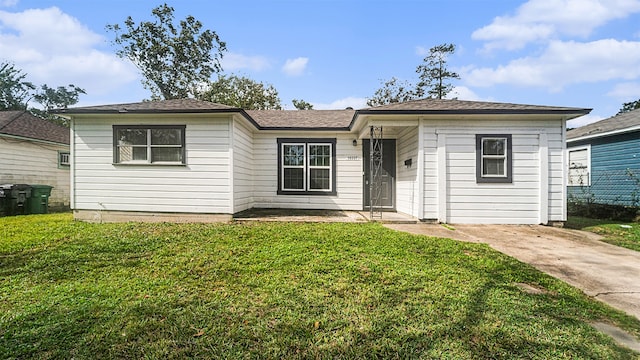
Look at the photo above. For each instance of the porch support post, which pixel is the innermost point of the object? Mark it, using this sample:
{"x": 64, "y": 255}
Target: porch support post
{"x": 544, "y": 178}
{"x": 442, "y": 177}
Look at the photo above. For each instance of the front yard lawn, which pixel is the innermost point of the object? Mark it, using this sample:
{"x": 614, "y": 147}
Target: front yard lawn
{"x": 617, "y": 233}
{"x": 280, "y": 290}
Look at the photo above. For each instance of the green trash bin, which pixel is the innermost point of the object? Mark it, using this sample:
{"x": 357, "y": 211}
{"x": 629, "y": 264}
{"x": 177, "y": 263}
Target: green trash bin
{"x": 39, "y": 200}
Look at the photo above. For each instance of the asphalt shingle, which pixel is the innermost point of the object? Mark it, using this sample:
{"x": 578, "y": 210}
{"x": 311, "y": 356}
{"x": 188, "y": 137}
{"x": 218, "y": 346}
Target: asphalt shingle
{"x": 24, "y": 124}
{"x": 326, "y": 119}
{"x": 453, "y": 105}
{"x": 618, "y": 122}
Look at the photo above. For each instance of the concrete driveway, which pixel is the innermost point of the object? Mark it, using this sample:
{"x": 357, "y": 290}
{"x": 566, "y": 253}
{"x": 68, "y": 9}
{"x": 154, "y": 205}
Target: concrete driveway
{"x": 606, "y": 272}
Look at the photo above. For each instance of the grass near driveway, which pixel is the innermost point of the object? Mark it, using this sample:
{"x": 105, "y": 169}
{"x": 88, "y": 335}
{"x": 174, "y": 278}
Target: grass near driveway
{"x": 279, "y": 290}
{"x": 617, "y": 233}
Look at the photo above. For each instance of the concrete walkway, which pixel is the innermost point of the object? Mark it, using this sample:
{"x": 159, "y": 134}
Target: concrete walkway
{"x": 606, "y": 272}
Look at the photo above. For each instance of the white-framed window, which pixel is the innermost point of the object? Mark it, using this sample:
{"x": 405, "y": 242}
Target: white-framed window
{"x": 144, "y": 144}
{"x": 64, "y": 159}
{"x": 293, "y": 167}
{"x": 306, "y": 166}
{"x": 494, "y": 161}
{"x": 579, "y": 166}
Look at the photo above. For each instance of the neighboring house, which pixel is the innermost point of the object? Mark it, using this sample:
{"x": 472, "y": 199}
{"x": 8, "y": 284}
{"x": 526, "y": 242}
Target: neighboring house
{"x": 442, "y": 160}
{"x": 35, "y": 151}
{"x": 604, "y": 161}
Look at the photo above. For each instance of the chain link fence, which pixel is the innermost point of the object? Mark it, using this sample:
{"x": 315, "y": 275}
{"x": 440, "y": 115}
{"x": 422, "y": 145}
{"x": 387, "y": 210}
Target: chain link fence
{"x": 606, "y": 194}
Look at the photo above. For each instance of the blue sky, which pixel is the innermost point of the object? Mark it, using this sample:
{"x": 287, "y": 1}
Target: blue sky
{"x": 334, "y": 54}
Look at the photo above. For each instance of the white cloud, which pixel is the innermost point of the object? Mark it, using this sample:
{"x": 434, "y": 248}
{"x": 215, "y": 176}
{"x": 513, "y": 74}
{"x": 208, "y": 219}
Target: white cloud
{"x": 583, "y": 120}
{"x": 234, "y": 61}
{"x": 56, "y": 49}
{"x": 340, "y": 104}
{"x": 464, "y": 93}
{"x": 547, "y": 19}
{"x": 48, "y": 30}
{"x": 628, "y": 91}
{"x": 564, "y": 63}
{"x": 295, "y": 67}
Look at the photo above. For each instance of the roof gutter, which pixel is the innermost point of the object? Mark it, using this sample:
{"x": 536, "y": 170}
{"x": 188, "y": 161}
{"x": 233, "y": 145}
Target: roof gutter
{"x": 16, "y": 137}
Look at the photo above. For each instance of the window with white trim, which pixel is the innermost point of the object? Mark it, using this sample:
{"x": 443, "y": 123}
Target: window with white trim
{"x": 144, "y": 144}
{"x": 306, "y": 166}
{"x": 493, "y": 158}
{"x": 579, "y": 166}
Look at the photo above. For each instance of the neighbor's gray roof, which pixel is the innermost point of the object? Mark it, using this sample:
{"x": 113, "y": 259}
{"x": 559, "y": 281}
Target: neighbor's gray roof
{"x": 615, "y": 123}
{"x": 453, "y": 106}
{"x": 24, "y": 124}
{"x": 327, "y": 119}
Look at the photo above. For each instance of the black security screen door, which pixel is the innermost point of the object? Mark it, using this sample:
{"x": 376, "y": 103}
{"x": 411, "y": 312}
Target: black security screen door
{"x": 387, "y": 199}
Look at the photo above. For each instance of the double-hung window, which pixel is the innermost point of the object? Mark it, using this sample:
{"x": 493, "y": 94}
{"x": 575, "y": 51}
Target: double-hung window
{"x": 493, "y": 159}
{"x": 306, "y": 166}
{"x": 144, "y": 144}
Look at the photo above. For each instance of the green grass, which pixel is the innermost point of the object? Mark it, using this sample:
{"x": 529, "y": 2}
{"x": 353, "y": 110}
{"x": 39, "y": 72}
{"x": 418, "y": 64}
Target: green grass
{"x": 279, "y": 290}
{"x": 617, "y": 233}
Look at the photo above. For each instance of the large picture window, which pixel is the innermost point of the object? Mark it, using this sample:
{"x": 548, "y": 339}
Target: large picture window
{"x": 141, "y": 144}
{"x": 493, "y": 158}
{"x": 306, "y": 166}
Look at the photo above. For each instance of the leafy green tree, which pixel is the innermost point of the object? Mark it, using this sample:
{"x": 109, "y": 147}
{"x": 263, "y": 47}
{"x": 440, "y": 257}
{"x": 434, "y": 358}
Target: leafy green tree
{"x": 241, "y": 92}
{"x": 629, "y": 106}
{"x": 174, "y": 60}
{"x": 301, "y": 104}
{"x": 15, "y": 92}
{"x": 56, "y": 98}
{"x": 433, "y": 73}
{"x": 393, "y": 91}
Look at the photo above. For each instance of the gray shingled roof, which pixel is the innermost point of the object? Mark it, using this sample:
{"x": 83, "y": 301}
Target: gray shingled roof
{"x": 463, "y": 106}
{"x": 303, "y": 119}
{"x": 615, "y": 123}
{"x": 24, "y": 124}
{"x": 327, "y": 119}
{"x": 170, "y": 106}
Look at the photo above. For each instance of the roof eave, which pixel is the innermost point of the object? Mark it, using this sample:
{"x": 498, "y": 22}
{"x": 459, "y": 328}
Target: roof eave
{"x": 145, "y": 111}
{"x": 572, "y": 112}
{"x": 26, "y": 138}
{"x": 605, "y": 134}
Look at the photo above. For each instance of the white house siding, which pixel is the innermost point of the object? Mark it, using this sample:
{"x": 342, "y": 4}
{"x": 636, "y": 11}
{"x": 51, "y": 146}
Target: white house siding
{"x": 458, "y": 198}
{"x": 348, "y": 176}
{"x": 202, "y": 186}
{"x": 407, "y": 177}
{"x": 32, "y": 162}
{"x": 242, "y": 167}
{"x": 557, "y": 187}
{"x": 430, "y": 163}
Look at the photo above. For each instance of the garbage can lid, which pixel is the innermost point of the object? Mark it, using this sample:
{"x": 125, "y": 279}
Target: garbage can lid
{"x": 36, "y": 186}
{"x": 21, "y": 187}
